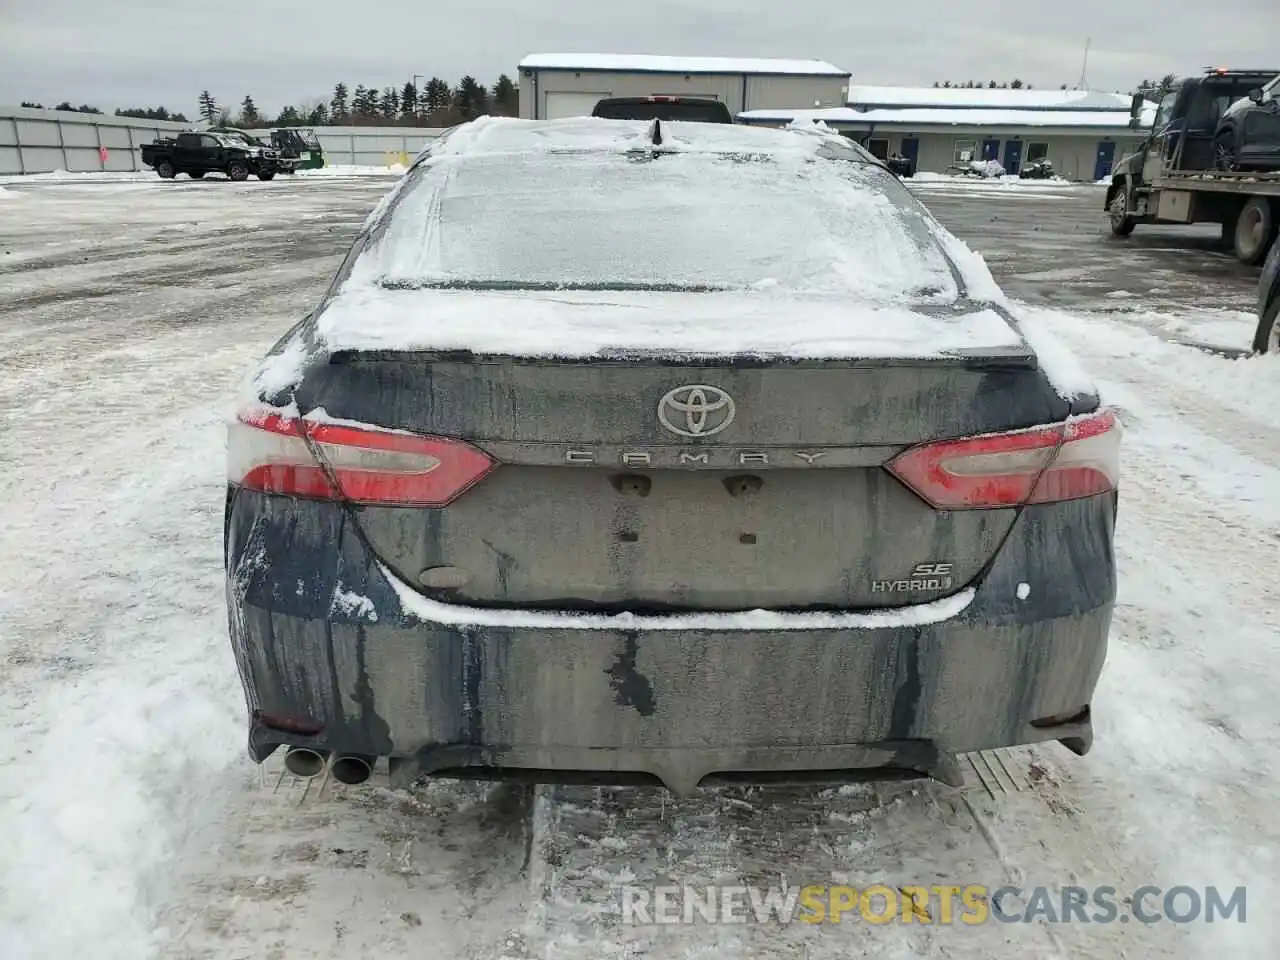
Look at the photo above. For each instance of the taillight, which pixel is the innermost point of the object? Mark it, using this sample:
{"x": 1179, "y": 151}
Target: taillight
{"x": 1061, "y": 461}
{"x": 269, "y": 453}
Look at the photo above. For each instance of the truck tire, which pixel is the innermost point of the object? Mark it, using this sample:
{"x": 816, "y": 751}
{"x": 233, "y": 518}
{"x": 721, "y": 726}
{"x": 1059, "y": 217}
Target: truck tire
{"x": 1267, "y": 337}
{"x": 1224, "y": 152}
{"x": 266, "y": 174}
{"x": 238, "y": 170}
{"x": 1122, "y": 221}
{"x": 1255, "y": 231}
{"x": 165, "y": 170}
{"x": 195, "y": 174}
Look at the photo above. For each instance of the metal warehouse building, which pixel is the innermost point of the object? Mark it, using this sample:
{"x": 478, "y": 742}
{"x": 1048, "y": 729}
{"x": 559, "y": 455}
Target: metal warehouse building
{"x": 1081, "y": 132}
{"x": 555, "y": 85}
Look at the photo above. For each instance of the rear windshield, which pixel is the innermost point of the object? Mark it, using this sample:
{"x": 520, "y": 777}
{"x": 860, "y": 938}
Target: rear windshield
{"x": 614, "y": 220}
{"x": 658, "y": 110}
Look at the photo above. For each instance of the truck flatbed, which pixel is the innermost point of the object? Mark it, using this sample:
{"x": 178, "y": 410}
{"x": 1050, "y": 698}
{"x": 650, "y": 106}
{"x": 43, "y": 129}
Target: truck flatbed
{"x": 1263, "y": 184}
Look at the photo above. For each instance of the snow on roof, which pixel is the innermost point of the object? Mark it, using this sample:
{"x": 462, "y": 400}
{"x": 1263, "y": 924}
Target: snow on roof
{"x": 942, "y": 117}
{"x": 510, "y": 135}
{"x": 644, "y": 63}
{"x": 978, "y": 98}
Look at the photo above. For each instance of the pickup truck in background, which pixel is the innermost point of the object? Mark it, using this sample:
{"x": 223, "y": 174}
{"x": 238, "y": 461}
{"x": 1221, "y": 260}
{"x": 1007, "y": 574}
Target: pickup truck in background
{"x": 196, "y": 154}
{"x": 694, "y": 109}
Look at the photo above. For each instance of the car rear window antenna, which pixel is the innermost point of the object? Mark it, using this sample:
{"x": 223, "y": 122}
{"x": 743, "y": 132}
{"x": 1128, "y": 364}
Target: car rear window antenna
{"x": 655, "y": 133}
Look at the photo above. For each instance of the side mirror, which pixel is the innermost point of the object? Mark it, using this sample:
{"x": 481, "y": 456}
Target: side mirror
{"x": 1135, "y": 111}
{"x": 1256, "y": 95}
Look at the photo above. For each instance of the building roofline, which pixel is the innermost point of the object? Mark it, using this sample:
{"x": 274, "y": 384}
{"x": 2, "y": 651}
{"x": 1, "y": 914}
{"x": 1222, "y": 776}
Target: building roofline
{"x": 870, "y": 126}
{"x": 690, "y": 73}
{"x": 670, "y": 65}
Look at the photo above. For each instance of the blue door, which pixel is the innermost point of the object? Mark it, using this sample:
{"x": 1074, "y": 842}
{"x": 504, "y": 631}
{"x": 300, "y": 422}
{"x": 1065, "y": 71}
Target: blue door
{"x": 911, "y": 149}
{"x": 1106, "y": 159}
{"x": 1012, "y": 156}
{"x": 990, "y": 149}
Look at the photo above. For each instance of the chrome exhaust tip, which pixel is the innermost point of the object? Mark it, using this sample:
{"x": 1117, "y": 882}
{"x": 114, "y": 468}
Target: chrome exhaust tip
{"x": 352, "y": 769}
{"x": 304, "y": 761}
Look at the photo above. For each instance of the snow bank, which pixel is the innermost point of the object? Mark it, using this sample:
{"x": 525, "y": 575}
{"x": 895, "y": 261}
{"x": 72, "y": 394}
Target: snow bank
{"x": 987, "y": 168}
{"x": 1011, "y": 182}
{"x": 917, "y": 615}
{"x": 1248, "y": 386}
{"x": 353, "y": 170}
{"x": 92, "y": 176}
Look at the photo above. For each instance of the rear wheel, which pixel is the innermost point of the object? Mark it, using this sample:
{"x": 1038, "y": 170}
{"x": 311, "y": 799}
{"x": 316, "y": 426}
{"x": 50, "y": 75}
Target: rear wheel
{"x": 266, "y": 174}
{"x": 195, "y": 174}
{"x": 165, "y": 169}
{"x": 1122, "y": 221}
{"x": 237, "y": 170}
{"x": 1267, "y": 337}
{"x": 1224, "y": 153}
{"x": 1255, "y": 230}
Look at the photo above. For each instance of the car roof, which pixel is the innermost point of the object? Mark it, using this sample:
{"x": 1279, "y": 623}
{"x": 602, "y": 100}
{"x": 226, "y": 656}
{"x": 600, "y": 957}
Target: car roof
{"x": 508, "y": 135}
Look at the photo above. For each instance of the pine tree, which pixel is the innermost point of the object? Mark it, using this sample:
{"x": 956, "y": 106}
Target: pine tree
{"x": 1016, "y": 85}
{"x": 208, "y": 108}
{"x": 471, "y": 99}
{"x": 506, "y": 97}
{"x": 319, "y": 115}
{"x": 338, "y": 105}
{"x": 369, "y": 109}
{"x": 409, "y": 103}
{"x": 389, "y": 105}
{"x": 359, "y": 103}
{"x": 289, "y": 117}
{"x": 250, "y": 119}
{"x": 32, "y": 105}
{"x": 992, "y": 85}
{"x": 438, "y": 96}
{"x": 947, "y": 85}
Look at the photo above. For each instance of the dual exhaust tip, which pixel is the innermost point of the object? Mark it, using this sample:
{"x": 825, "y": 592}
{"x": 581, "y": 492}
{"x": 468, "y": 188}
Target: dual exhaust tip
{"x": 348, "y": 768}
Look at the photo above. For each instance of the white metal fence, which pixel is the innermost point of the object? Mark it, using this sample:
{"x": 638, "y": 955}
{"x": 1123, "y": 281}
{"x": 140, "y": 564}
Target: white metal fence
{"x": 42, "y": 141}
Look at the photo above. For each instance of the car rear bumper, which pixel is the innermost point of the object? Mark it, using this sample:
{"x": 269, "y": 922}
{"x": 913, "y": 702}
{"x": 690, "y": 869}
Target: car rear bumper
{"x": 322, "y": 634}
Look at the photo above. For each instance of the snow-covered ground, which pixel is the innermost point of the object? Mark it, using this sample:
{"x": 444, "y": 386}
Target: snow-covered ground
{"x": 132, "y": 826}
{"x": 63, "y": 177}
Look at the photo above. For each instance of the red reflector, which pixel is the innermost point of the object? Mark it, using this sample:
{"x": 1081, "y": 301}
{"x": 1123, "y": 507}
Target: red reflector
{"x": 269, "y": 453}
{"x": 1063, "y": 461}
{"x": 287, "y": 723}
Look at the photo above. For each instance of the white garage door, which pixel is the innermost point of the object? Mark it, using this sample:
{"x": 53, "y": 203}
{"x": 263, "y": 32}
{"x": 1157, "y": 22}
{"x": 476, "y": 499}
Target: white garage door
{"x": 561, "y": 105}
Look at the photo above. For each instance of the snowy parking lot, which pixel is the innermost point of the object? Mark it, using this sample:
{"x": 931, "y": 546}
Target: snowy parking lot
{"x": 132, "y": 824}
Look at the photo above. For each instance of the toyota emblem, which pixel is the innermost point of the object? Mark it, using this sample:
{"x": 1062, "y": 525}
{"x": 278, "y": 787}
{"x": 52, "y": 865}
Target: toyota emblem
{"x": 696, "y": 410}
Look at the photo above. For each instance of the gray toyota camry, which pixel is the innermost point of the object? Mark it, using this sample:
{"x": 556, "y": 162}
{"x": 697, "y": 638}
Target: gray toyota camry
{"x": 624, "y": 451}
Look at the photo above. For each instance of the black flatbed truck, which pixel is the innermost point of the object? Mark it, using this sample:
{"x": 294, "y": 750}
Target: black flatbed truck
{"x": 1171, "y": 177}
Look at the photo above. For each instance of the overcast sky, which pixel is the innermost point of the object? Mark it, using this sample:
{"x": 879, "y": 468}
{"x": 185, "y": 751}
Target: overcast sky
{"x": 150, "y": 52}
